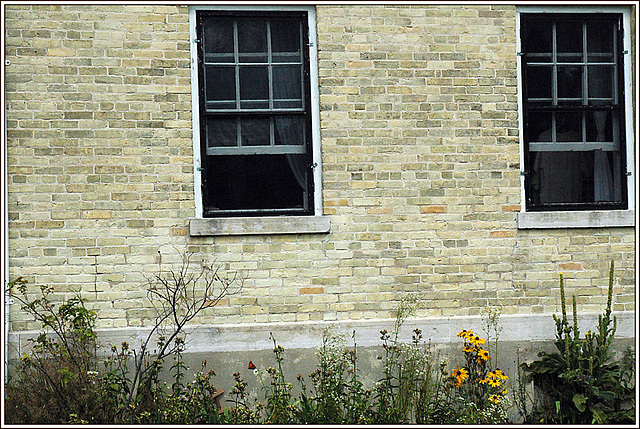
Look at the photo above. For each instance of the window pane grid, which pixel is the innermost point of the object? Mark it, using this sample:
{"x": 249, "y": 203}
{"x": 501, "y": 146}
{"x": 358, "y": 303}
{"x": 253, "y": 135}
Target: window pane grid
{"x": 283, "y": 96}
{"x": 580, "y": 100}
{"x": 572, "y": 133}
{"x": 273, "y": 102}
{"x": 297, "y": 146}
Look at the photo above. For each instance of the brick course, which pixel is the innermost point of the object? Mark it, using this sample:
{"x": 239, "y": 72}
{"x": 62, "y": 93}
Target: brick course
{"x": 421, "y": 162}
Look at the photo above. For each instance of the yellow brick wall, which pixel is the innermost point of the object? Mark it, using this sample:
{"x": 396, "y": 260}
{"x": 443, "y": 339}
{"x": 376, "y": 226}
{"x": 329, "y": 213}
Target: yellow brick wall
{"x": 420, "y": 152}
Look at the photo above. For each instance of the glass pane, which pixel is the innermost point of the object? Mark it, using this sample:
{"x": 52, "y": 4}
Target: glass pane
{"x": 569, "y": 40}
{"x": 538, "y": 82}
{"x": 220, "y": 83}
{"x": 287, "y": 82}
{"x": 538, "y": 127}
{"x": 285, "y": 40}
{"x": 218, "y": 39}
{"x": 289, "y": 130}
{"x": 599, "y": 126}
{"x": 569, "y": 127}
{"x": 538, "y": 38}
{"x": 254, "y": 87}
{"x": 254, "y": 182}
{"x": 561, "y": 177}
{"x": 255, "y": 131}
{"x": 221, "y": 132}
{"x": 252, "y": 40}
{"x": 570, "y": 82}
{"x": 600, "y": 37}
{"x": 601, "y": 82}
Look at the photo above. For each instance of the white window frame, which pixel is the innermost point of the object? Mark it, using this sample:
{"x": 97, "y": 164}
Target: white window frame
{"x": 588, "y": 218}
{"x": 316, "y": 223}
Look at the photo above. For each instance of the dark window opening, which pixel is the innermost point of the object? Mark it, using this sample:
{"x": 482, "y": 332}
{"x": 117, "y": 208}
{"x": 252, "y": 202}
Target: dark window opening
{"x": 256, "y": 148}
{"x": 573, "y": 112}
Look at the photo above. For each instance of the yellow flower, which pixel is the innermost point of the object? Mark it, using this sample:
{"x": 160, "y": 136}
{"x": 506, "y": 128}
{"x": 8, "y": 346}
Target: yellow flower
{"x": 494, "y": 398}
{"x": 460, "y": 374}
{"x": 501, "y": 375}
{"x": 504, "y": 392}
{"x": 494, "y": 383}
{"x": 476, "y": 340}
{"x": 483, "y": 381}
{"x": 465, "y": 334}
{"x": 483, "y": 355}
{"x": 469, "y": 349}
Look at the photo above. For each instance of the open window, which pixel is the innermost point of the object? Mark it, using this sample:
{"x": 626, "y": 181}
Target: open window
{"x": 255, "y": 120}
{"x": 574, "y": 111}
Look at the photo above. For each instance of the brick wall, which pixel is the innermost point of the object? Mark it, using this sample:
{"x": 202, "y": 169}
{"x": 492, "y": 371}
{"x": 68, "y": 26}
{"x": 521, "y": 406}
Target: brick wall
{"x": 419, "y": 124}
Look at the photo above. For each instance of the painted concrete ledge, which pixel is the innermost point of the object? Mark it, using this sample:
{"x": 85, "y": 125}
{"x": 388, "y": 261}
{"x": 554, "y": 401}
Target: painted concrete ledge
{"x": 260, "y": 225}
{"x": 575, "y": 219}
{"x": 305, "y": 335}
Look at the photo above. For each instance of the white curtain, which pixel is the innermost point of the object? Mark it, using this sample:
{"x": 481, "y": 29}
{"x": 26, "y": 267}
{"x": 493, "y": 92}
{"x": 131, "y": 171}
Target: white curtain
{"x": 602, "y": 175}
{"x": 288, "y": 127}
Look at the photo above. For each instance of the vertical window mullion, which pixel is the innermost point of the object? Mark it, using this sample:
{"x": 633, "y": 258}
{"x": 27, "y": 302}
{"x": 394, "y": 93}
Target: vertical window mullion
{"x": 236, "y": 60}
{"x": 616, "y": 63}
{"x": 585, "y": 75}
{"x": 554, "y": 60}
{"x": 302, "y": 79}
{"x": 272, "y": 137}
{"x": 554, "y": 79}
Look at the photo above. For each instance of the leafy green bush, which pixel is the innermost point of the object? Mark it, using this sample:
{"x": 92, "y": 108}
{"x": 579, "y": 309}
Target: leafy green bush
{"x": 61, "y": 381}
{"x": 57, "y": 378}
{"x": 582, "y": 383}
{"x": 337, "y": 395}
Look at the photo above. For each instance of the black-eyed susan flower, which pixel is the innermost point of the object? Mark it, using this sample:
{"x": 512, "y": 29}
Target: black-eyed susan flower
{"x": 494, "y": 383}
{"x": 465, "y": 334}
{"x": 483, "y": 355}
{"x": 483, "y": 381}
{"x": 476, "y": 340}
{"x": 469, "y": 349}
{"x": 501, "y": 375}
{"x": 460, "y": 374}
{"x": 494, "y": 398}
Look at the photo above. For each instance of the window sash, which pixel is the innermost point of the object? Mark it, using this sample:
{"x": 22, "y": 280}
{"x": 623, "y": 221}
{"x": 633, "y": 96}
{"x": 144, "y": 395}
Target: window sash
{"x": 554, "y": 104}
{"x": 270, "y": 64}
{"x": 280, "y": 101}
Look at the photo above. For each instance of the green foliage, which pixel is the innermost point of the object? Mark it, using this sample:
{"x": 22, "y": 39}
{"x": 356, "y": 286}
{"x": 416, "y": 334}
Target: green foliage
{"x": 60, "y": 380}
{"x": 57, "y": 377}
{"x": 406, "y": 385}
{"x": 196, "y": 403}
{"x": 582, "y": 383}
{"x": 337, "y": 395}
{"x": 280, "y": 407}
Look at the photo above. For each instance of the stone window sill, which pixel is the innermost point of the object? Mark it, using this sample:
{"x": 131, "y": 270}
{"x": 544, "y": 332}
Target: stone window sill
{"x": 259, "y": 225}
{"x": 575, "y": 219}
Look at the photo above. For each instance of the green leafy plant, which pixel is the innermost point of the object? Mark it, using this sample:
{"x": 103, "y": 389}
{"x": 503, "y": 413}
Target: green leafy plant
{"x": 582, "y": 383}
{"x": 280, "y": 408}
{"x": 338, "y": 395}
{"x": 407, "y": 388}
{"x": 56, "y": 378}
{"x": 197, "y": 402}
{"x": 474, "y": 393}
{"x": 60, "y": 380}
